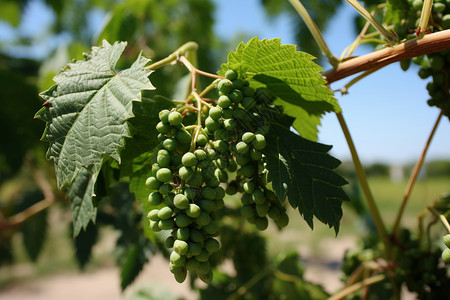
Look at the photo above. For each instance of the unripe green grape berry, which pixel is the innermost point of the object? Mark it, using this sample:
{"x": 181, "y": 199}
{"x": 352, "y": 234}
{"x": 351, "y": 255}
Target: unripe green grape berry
{"x": 175, "y": 118}
{"x": 446, "y": 21}
{"x": 183, "y": 137}
{"x": 248, "y": 102}
{"x": 227, "y": 113}
{"x": 180, "y": 276}
{"x": 261, "y": 223}
{"x": 196, "y": 180}
{"x": 155, "y": 198}
{"x": 220, "y": 193}
{"x": 164, "y": 115}
{"x": 221, "y": 175}
{"x": 162, "y": 127}
{"x": 204, "y": 268}
{"x": 202, "y": 220}
{"x": 404, "y": 64}
{"x": 219, "y": 204}
{"x": 260, "y": 142}
{"x": 202, "y": 140}
{"x": 207, "y": 205}
{"x": 238, "y": 83}
{"x": 163, "y": 158}
{"x": 177, "y": 259}
{"x": 229, "y": 124}
{"x": 212, "y": 154}
{"x": 424, "y": 73}
{"x": 194, "y": 249}
{"x": 255, "y": 155}
{"x": 264, "y": 130}
{"x": 248, "y": 211}
{"x": 249, "y": 187}
{"x": 206, "y": 277}
{"x": 262, "y": 209}
{"x": 154, "y": 226}
{"x": 193, "y": 211}
{"x": 200, "y": 154}
{"x": 166, "y": 224}
{"x": 180, "y": 201}
{"x": 181, "y": 247}
{"x": 165, "y": 213}
{"x": 446, "y": 239}
{"x": 213, "y": 182}
{"x": 242, "y": 148}
{"x": 283, "y": 221}
{"x": 161, "y": 137}
{"x": 225, "y": 86}
{"x": 153, "y": 215}
{"x": 274, "y": 213}
{"x": 168, "y": 243}
{"x": 196, "y": 236}
{"x": 221, "y": 134}
{"x": 231, "y": 75}
{"x": 220, "y": 146}
{"x": 248, "y": 137}
{"x": 208, "y": 193}
{"x": 222, "y": 162}
{"x": 232, "y": 165}
{"x": 246, "y": 199}
{"x": 212, "y": 228}
{"x": 192, "y": 264}
{"x": 231, "y": 189}
{"x": 417, "y": 4}
{"x": 152, "y": 183}
{"x": 446, "y": 255}
{"x": 248, "y": 170}
{"x": 437, "y": 62}
{"x": 185, "y": 173}
{"x": 211, "y": 124}
{"x": 224, "y": 101}
{"x": 182, "y": 220}
{"x": 438, "y": 7}
{"x": 212, "y": 245}
{"x": 164, "y": 175}
{"x": 203, "y": 256}
{"x": 168, "y": 199}
{"x": 165, "y": 189}
{"x": 155, "y": 168}
{"x": 236, "y": 96}
{"x": 170, "y": 144}
{"x": 215, "y": 113}
{"x": 189, "y": 159}
{"x": 258, "y": 197}
{"x": 183, "y": 233}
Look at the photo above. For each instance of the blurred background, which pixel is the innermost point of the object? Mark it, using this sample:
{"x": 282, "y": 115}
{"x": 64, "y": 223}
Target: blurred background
{"x": 387, "y": 114}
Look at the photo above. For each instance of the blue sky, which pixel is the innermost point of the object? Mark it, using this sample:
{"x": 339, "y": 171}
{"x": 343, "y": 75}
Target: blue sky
{"x": 386, "y": 112}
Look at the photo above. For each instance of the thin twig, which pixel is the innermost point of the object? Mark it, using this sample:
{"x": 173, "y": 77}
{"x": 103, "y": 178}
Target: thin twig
{"x": 353, "y": 288}
{"x": 414, "y": 175}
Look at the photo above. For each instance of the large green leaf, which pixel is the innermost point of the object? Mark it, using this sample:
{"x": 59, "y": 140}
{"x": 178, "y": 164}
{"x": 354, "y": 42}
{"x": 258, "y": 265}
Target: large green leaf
{"x": 303, "y": 171}
{"x": 86, "y": 111}
{"x": 288, "y": 74}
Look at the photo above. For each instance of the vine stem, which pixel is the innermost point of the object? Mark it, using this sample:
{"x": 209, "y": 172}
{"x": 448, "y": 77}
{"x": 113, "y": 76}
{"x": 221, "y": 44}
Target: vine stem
{"x": 414, "y": 174}
{"x": 359, "y": 285}
{"x": 365, "y": 186}
{"x": 317, "y": 35}
{"x": 390, "y": 37}
{"x": 186, "y": 48}
{"x": 430, "y": 43}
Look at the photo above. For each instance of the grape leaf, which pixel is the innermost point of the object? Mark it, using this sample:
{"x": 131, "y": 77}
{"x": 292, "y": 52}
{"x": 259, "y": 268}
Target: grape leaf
{"x": 81, "y": 194}
{"x": 83, "y": 243}
{"x": 302, "y": 170}
{"x": 288, "y": 74}
{"x": 133, "y": 262}
{"x": 86, "y": 111}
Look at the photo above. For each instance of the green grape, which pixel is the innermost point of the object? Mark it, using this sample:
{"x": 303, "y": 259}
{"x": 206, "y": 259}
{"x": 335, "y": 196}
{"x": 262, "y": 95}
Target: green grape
{"x": 202, "y": 140}
{"x": 168, "y": 243}
{"x": 183, "y": 233}
{"x": 248, "y": 137}
{"x": 242, "y": 148}
{"x": 207, "y": 205}
{"x": 220, "y": 146}
{"x": 446, "y": 21}
{"x": 189, "y": 159}
{"x": 203, "y": 256}
{"x": 242, "y": 160}
{"x": 231, "y": 75}
{"x": 224, "y": 101}
{"x": 221, "y": 175}
{"x": 274, "y": 213}
{"x": 438, "y": 7}
{"x": 183, "y": 137}
{"x": 225, "y": 86}
{"x": 165, "y": 213}
{"x": 164, "y": 175}
{"x": 260, "y": 142}
{"x": 232, "y": 188}
{"x": 404, "y": 64}
{"x": 246, "y": 199}
{"x": 194, "y": 249}
{"x": 152, "y": 183}
{"x": 166, "y": 224}
{"x": 154, "y": 226}
{"x": 200, "y": 154}
{"x": 177, "y": 259}
{"x": 153, "y": 215}
{"x": 238, "y": 83}
{"x": 192, "y": 264}
{"x": 255, "y": 155}
{"x": 185, "y": 173}
{"x": 180, "y": 276}
{"x": 182, "y": 220}
{"x": 262, "y": 209}
{"x": 248, "y": 170}
{"x": 208, "y": 193}
{"x": 212, "y": 124}
{"x": 162, "y": 128}
{"x": 424, "y": 73}
{"x": 227, "y": 113}
{"x": 215, "y": 113}
{"x": 176, "y": 159}
{"x": 220, "y": 193}
{"x": 170, "y": 144}
{"x": 212, "y": 228}
{"x": 446, "y": 239}
{"x": 229, "y": 124}
{"x": 232, "y": 165}
{"x": 212, "y": 245}
{"x": 204, "y": 268}
{"x": 196, "y": 180}
{"x": 193, "y": 211}
{"x": 446, "y": 255}
{"x": 236, "y": 96}
{"x": 181, "y": 247}
{"x": 258, "y": 197}
{"x": 249, "y": 187}
{"x": 165, "y": 188}
{"x": 283, "y": 220}
{"x": 206, "y": 277}
{"x": 163, "y": 158}
{"x": 175, "y": 118}
{"x": 203, "y": 220}
{"x": 180, "y": 201}
{"x": 248, "y": 102}
{"x": 248, "y": 211}
{"x": 261, "y": 223}
{"x": 164, "y": 115}
{"x": 417, "y": 4}
{"x": 155, "y": 198}
{"x": 220, "y": 134}
{"x": 437, "y": 62}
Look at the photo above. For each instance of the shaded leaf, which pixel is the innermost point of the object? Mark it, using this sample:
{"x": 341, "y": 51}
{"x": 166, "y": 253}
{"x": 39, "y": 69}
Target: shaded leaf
{"x": 303, "y": 171}
{"x": 84, "y": 242}
{"x": 290, "y": 75}
{"x": 133, "y": 262}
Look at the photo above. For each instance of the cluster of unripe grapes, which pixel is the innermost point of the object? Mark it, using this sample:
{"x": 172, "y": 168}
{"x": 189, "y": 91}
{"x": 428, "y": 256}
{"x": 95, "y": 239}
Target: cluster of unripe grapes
{"x": 193, "y": 162}
{"x": 446, "y": 252}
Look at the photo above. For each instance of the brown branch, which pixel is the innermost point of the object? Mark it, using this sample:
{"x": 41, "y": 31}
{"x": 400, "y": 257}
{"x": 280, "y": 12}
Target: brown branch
{"x": 430, "y": 43}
